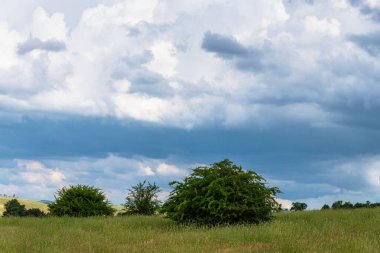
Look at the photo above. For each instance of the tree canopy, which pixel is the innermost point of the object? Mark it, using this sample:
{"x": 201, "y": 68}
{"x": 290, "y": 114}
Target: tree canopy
{"x": 222, "y": 193}
{"x": 298, "y": 206}
{"x": 142, "y": 199}
{"x": 80, "y": 201}
{"x": 14, "y": 208}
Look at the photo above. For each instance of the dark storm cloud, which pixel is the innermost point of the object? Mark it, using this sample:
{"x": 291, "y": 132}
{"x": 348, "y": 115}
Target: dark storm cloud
{"x": 223, "y": 46}
{"x": 37, "y": 44}
{"x": 369, "y": 42}
{"x": 288, "y": 151}
{"x": 246, "y": 59}
{"x": 373, "y": 13}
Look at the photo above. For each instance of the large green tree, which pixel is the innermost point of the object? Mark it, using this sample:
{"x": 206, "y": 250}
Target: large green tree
{"x": 80, "y": 201}
{"x": 222, "y": 193}
{"x": 142, "y": 199}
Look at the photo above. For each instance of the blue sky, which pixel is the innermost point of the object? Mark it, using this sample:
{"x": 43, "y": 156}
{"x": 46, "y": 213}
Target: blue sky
{"x": 112, "y": 92}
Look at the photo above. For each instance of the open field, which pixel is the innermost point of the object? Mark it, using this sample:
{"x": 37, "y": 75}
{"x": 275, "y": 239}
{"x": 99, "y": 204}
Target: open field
{"x": 314, "y": 231}
{"x": 28, "y": 203}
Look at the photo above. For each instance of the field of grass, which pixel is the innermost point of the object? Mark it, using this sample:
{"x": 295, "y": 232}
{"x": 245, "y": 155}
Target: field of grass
{"x": 28, "y": 204}
{"x": 313, "y": 231}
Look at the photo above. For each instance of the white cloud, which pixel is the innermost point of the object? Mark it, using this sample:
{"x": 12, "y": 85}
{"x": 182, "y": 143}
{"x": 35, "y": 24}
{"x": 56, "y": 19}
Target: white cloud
{"x": 165, "y": 60}
{"x": 8, "y": 44}
{"x": 148, "y": 64}
{"x": 169, "y": 170}
{"x": 146, "y": 170}
{"x": 322, "y": 26}
{"x": 285, "y": 203}
{"x": 46, "y": 27}
{"x": 114, "y": 174}
{"x": 34, "y": 172}
{"x": 365, "y": 170}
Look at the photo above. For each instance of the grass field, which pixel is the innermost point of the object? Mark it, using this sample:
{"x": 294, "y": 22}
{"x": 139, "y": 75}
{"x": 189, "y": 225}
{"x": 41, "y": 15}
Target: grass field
{"x": 28, "y": 204}
{"x": 313, "y": 231}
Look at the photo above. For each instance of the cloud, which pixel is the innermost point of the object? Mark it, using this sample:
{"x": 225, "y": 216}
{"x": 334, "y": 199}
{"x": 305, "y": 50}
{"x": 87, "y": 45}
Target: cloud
{"x": 368, "y": 42}
{"x": 223, "y": 46}
{"x": 370, "y": 8}
{"x": 36, "y": 44}
{"x": 114, "y": 174}
{"x": 229, "y": 48}
{"x": 34, "y": 172}
{"x": 290, "y": 87}
{"x": 169, "y": 170}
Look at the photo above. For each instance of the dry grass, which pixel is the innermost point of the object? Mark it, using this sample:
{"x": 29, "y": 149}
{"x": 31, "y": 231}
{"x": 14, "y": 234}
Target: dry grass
{"x": 28, "y": 203}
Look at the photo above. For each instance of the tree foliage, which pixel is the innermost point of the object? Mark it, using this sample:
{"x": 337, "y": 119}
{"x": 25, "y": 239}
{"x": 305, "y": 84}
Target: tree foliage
{"x": 14, "y": 208}
{"x": 80, "y": 201}
{"x": 348, "y": 205}
{"x": 221, "y": 194}
{"x": 337, "y": 204}
{"x": 35, "y": 212}
{"x": 325, "y": 207}
{"x": 298, "y": 206}
{"x": 142, "y": 199}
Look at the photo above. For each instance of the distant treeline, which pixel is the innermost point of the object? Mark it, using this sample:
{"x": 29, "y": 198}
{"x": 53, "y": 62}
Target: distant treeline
{"x": 348, "y": 205}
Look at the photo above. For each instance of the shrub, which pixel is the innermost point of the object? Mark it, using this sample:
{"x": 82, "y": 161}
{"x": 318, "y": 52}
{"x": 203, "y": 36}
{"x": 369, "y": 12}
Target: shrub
{"x": 298, "y": 206}
{"x": 221, "y": 194}
{"x": 325, "y": 207}
{"x": 337, "y": 204}
{"x": 14, "y": 208}
{"x": 80, "y": 201}
{"x": 35, "y": 212}
{"x": 142, "y": 199}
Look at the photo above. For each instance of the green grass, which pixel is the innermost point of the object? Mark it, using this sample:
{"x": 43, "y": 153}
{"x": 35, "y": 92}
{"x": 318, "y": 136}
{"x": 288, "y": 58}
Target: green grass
{"x": 314, "y": 231}
{"x": 28, "y": 203}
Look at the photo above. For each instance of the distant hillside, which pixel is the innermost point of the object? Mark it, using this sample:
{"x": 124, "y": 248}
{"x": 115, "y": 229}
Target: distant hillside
{"x": 42, "y": 204}
{"x": 28, "y": 204}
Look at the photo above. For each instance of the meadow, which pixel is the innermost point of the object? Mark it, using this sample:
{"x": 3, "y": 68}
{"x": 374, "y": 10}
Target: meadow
{"x": 309, "y": 231}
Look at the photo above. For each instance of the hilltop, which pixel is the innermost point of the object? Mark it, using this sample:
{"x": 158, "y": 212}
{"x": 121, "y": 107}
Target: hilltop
{"x": 38, "y": 204}
{"x": 28, "y": 204}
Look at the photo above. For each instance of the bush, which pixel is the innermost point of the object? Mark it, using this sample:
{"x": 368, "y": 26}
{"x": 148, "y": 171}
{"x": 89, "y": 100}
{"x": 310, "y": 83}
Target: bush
{"x": 80, "y": 201}
{"x": 337, "y": 204}
{"x": 298, "y": 206}
{"x": 325, "y": 207}
{"x": 14, "y": 208}
{"x": 35, "y": 212}
{"x": 142, "y": 199}
{"x": 221, "y": 194}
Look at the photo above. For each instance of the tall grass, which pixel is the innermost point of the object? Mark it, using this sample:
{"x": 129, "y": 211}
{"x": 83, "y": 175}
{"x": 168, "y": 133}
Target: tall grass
{"x": 314, "y": 231}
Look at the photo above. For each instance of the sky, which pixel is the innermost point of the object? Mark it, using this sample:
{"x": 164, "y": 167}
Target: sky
{"x": 112, "y": 92}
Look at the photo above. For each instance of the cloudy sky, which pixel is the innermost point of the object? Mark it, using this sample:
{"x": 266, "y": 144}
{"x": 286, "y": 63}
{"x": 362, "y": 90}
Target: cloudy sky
{"x": 112, "y": 92}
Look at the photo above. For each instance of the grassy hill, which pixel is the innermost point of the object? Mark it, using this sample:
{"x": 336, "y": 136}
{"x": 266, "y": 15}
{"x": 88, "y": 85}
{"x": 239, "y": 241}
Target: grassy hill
{"x": 28, "y": 203}
{"x": 36, "y": 204}
{"x": 312, "y": 231}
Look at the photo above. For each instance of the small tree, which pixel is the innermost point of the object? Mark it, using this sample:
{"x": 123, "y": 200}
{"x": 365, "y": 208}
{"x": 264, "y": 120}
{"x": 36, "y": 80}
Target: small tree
{"x": 142, "y": 199}
{"x": 347, "y": 205}
{"x": 221, "y": 194}
{"x": 80, "y": 201}
{"x": 14, "y": 208}
{"x": 337, "y": 204}
{"x": 298, "y": 206}
{"x": 325, "y": 207}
